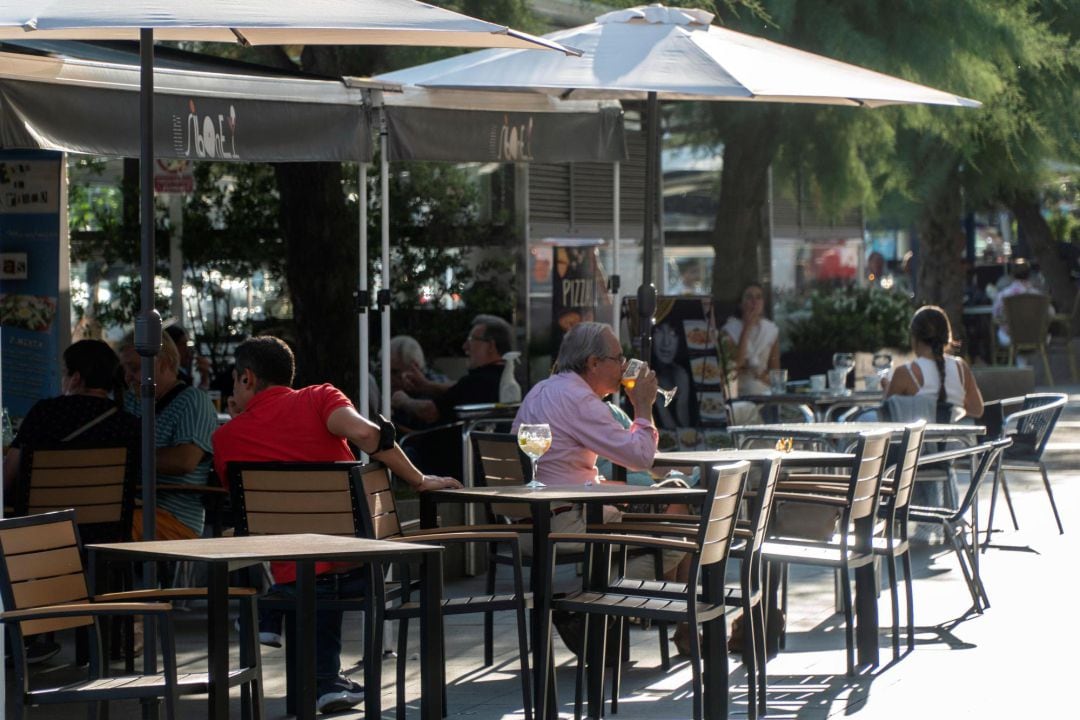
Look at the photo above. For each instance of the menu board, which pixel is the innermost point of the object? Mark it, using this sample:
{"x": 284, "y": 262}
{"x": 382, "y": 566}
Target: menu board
{"x": 685, "y": 355}
{"x": 31, "y": 313}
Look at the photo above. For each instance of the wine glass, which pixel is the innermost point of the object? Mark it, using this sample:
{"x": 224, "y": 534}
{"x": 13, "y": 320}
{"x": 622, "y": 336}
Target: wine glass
{"x": 629, "y": 379}
{"x": 534, "y": 439}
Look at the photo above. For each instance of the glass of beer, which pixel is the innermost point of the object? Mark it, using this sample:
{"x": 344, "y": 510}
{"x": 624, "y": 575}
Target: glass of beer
{"x": 629, "y": 379}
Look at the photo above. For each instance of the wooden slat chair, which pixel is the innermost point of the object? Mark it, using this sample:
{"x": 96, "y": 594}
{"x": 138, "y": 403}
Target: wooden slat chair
{"x": 277, "y": 498}
{"x": 857, "y": 504}
{"x": 669, "y": 602}
{"x": 93, "y": 480}
{"x": 891, "y": 539}
{"x": 372, "y": 483}
{"x": 44, "y": 589}
{"x": 97, "y": 482}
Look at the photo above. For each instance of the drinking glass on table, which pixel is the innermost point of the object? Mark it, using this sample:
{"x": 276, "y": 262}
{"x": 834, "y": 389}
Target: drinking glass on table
{"x": 534, "y": 439}
{"x": 844, "y": 361}
{"x": 629, "y": 379}
{"x": 882, "y": 363}
{"x": 778, "y": 381}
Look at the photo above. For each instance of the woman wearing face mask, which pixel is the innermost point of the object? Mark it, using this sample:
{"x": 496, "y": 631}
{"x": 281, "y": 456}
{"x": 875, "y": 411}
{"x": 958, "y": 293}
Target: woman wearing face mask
{"x": 757, "y": 341}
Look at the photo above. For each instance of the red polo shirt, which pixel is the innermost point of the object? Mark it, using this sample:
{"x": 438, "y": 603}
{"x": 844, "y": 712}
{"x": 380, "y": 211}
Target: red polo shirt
{"x": 285, "y": 425}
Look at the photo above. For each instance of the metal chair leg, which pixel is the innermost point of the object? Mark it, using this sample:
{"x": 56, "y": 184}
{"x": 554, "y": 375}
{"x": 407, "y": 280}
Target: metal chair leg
{"x": 1050, "y": 494}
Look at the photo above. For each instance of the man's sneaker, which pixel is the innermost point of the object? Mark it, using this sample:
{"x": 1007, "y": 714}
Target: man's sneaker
{"x": 270, "y": 639}
{"x": 339, "y": 694}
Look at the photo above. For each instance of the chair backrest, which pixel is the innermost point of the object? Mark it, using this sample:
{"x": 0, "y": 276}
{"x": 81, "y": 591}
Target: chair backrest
{"x": 1037, "y": 418}
{"x": 372, "y": 486}
{"x": 996, "y": 383}
{"x": 435, "y": 450}
{"x": 275, "y": 498}
{"x": 499, "y": 463}
{"x": 907, "y": 461}
{"x": 867, "y": 473}
{"x": 720, "y": 510}
{"x": 94, "y": 481}
{"x": 987, "y": 454}
{"x": 41, "y": 564}
{"x": 1028, "y": 316}
{"x": 760, "y": 504}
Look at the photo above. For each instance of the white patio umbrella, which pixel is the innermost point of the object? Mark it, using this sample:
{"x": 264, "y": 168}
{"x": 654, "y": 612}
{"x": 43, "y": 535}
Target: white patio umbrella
{"x": 657, "y": 53}
{"x": 250, "y": 22}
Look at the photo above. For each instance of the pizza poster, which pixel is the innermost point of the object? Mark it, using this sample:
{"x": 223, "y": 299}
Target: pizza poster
{"x": 32, "y": 223}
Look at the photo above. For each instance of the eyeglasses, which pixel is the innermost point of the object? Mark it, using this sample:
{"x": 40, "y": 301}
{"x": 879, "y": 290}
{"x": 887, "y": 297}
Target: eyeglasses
{"x": 479, "y": 338}
{"x": 620, "y": 358}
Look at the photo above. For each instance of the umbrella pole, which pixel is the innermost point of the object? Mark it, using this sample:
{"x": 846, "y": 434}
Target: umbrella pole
{"x": 384, "y": 291}
{"x": 362, "y": 293}
{"x": 148, "y": 324}
{"x": 646, "y": 296}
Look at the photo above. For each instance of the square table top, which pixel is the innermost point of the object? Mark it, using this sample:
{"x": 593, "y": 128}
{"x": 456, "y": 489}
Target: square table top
{"x": 816, "y": 397}
{"x": 602, "y": 493}
{"x": 796, "y": 457}
{"x": 257, "y": 548}
{"x": 851, "y": 429}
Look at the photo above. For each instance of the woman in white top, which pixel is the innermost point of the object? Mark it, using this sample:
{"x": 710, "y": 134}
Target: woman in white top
{"x": 757, "y": 340}
{"x": 931, "y": 336}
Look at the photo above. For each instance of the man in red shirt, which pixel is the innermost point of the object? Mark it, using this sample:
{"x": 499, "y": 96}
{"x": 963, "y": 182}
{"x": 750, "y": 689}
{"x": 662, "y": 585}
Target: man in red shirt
{"x": 272, "y": 422}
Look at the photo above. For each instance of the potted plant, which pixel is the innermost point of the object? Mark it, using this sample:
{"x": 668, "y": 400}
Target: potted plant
{"x": 846, "y": 319}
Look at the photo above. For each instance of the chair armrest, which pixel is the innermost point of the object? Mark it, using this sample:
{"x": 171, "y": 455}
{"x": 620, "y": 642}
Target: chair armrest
{"x": 658, "y": 517}
{"x": 636, "y": 540}
{"x": 77, "y": 609}
{"x": 456, "y": 537}
{"x": 488, "y": 529}
{"x": 169, "y": 594}
{"x": 831, "y": 500}
{"x": 811, "y": 486}
{"x": 636, "y": 528}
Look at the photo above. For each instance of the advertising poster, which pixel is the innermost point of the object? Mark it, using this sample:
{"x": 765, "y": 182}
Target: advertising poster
{"x": 576, "y": 288}
{"x": 685, "y": 356}
{"x": 32, "y": 205}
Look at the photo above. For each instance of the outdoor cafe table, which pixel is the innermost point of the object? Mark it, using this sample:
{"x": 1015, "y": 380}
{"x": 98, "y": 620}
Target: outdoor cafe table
{"x": 840, "y": 436}
{"x": 820, "y": 402}
{"x": 539, "y": 500}
{"x": 230, "y": 553}
{"x": 801, "y": 459}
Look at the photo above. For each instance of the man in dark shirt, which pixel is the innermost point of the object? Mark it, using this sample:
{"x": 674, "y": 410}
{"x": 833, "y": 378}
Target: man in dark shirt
{"x": 489, "y": 338}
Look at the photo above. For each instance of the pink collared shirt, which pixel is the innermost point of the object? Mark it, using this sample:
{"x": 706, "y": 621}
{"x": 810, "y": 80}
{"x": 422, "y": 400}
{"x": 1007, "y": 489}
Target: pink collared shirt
{"x": 581, "y": 428}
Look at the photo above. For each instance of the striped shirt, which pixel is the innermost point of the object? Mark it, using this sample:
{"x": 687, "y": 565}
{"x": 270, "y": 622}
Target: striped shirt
{"x": 189, "y": 418}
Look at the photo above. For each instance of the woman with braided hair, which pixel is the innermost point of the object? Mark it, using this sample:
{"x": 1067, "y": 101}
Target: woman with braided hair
{"x": 931, "y": 340}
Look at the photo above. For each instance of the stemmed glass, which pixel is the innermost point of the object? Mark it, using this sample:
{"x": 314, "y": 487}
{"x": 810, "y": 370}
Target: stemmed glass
{"x": 844, "y": 361}
{"x": 629, "y": 379}
{"x": 882, "y": 363}
{"x": 534, "y": 439}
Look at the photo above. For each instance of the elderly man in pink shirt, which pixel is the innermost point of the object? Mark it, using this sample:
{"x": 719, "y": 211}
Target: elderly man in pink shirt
{"x": 589, "y": 368}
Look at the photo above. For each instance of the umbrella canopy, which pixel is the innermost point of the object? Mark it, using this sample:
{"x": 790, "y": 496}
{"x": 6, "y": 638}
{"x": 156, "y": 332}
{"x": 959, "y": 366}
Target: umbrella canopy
{"x": 270, "y": 22}
{"x": 83, "y": 106}
{"x": 657, "y": 53}
{"x": 677, "y": 54}
{"x": 267, "y": 22}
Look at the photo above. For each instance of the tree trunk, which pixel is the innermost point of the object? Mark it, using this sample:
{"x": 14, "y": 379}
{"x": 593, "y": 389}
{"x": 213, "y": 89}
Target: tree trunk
{"x": 740, "y": 237}
{"x": 321, "y": 272}
{"x": 1036, "y": 231}
{"x": 941, "y": 253}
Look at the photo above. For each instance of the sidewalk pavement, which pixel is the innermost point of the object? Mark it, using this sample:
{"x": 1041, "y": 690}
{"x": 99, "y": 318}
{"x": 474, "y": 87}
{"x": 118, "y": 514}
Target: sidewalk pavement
{"x": 1010, "y": 662}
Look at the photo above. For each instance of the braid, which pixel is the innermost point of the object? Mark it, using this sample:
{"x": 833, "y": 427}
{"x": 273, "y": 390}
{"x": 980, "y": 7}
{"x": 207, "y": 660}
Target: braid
{"x": 938, "y": 349}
